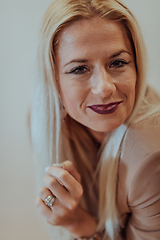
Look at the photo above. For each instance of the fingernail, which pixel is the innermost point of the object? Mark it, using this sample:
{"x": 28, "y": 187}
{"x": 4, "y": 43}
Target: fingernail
{"x": 57, "y": 165}
{"x": 46, "y": 169}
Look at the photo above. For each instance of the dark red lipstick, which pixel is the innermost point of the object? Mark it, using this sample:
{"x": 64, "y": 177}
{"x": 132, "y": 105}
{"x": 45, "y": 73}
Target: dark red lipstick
{"x": 105, "y": 108}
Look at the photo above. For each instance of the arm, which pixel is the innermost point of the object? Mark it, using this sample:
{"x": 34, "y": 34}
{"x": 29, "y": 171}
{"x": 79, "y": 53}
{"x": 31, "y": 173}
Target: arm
{"x": 144, "y": 201}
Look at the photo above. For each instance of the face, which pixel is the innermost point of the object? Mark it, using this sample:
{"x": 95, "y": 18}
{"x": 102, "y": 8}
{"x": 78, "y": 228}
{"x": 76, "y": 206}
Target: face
{"x": 96, "y": 74}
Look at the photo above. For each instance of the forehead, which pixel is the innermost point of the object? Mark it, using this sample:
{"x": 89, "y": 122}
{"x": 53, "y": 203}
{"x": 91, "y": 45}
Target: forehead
{"x": 100, "y": 33}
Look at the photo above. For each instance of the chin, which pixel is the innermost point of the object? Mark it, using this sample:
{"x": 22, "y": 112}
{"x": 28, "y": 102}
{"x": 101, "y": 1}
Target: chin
{"x": 104, "y": 128}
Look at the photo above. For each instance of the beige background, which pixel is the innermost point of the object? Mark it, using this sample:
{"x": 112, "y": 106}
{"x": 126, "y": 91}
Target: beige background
{"x": 19, "y": 24}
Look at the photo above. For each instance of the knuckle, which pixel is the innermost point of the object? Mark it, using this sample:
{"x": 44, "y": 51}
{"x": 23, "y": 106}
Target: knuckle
{"x": 56, "y": 219}
{"x": 68, "y": 165}
{"x": 52, "y": 220}
{"x": 64, "y": 176}
{"x": 48, "y": 221}
{"x": 79, "y": 176}
{"x": 72, "y": 205}
{"x": 41, "y": 192}
{"x": 79, "y": 192}
{"x": 52, "y": 182}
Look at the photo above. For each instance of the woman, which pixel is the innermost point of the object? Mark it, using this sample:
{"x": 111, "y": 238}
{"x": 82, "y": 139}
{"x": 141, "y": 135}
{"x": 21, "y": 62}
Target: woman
{"x": 95, "y": 123}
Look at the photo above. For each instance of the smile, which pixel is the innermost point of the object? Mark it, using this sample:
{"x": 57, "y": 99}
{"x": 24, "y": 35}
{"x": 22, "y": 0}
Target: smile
{"x": 105, "y": 108}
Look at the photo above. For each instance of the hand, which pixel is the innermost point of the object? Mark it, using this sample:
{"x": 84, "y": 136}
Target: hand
{"x": 64, "y": 183}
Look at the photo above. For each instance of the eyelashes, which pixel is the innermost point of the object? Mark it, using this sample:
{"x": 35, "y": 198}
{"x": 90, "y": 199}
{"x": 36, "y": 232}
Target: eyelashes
{"x": 82, "y": 69}
{"x": 118, "y": 63}
{"x": 78, "y": 70}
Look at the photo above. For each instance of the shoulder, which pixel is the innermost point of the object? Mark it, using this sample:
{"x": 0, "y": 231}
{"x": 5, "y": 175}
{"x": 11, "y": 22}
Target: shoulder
{"x": 141, "y": 140}
{"x": 144, "y": 136}
{"x": 140, "y": 153}
{"x": 144, "y": 185}
{"x": 139, "y": 176}
{"x": 141, "y": 150}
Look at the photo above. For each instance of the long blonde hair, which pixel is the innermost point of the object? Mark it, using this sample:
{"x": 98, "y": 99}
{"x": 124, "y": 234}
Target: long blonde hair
{"x": 56, "y": 138}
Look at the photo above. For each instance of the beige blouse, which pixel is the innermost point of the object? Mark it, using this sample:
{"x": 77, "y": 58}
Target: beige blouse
{"x": 138, "y": 196}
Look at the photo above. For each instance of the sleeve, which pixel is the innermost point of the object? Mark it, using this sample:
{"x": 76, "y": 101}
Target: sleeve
{"x": 144, "y": 201}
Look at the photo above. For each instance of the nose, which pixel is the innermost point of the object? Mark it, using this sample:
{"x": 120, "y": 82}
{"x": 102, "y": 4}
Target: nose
{"x": 103, "y": 84}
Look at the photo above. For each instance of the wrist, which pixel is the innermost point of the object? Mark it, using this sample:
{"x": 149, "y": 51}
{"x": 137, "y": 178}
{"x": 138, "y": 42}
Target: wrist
{"x": 84, "y": 225}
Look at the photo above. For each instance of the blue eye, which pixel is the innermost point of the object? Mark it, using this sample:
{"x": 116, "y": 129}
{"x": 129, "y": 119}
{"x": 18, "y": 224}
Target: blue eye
{"x": 79, "y": 70}
{"x": 118, "y": 64}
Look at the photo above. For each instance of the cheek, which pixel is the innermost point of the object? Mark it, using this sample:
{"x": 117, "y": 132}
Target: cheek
{"x": 127, "y": 88}
{"x": 130, "y": 94}
{"x": 71, "y": 98}
{"x": 67, "y": 97}
{"x": 73, "y": 93}
{"x": 132, "y": 88}
{"x": 129, "y": 84}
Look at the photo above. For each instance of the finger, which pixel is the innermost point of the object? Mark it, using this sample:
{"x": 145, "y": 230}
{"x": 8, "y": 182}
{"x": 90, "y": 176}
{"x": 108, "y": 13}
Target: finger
{"x": 47, "y": 196}
{"x": 67, "y": 180}
{"x": 43, "y": 209}
{"x": 63, "y": 197}
{"x": 55, "y": 213}
{"x": 56, "y": 216}
{"x": 69, "y": 166}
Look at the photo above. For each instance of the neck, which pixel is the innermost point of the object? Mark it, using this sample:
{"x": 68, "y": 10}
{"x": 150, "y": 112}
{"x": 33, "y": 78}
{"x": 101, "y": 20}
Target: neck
{"x": 98, "y": 136}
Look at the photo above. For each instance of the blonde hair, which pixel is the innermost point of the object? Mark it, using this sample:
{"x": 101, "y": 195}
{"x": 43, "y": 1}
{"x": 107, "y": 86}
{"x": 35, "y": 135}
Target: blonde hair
{"x": 55, "y": 138}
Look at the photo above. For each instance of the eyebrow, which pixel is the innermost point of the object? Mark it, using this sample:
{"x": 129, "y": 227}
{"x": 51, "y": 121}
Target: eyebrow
{"x": 85, "y": 60}
{"x": 119, "y": 53}
{"x": 76, "y": 60}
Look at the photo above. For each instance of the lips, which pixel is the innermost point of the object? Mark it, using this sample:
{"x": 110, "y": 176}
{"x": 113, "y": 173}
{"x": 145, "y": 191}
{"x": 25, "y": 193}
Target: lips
{"x": 105, "y": 108}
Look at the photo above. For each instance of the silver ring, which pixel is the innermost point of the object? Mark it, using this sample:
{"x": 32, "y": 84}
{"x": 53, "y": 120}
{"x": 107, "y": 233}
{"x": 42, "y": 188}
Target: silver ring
{"x": 49, "y": 201}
